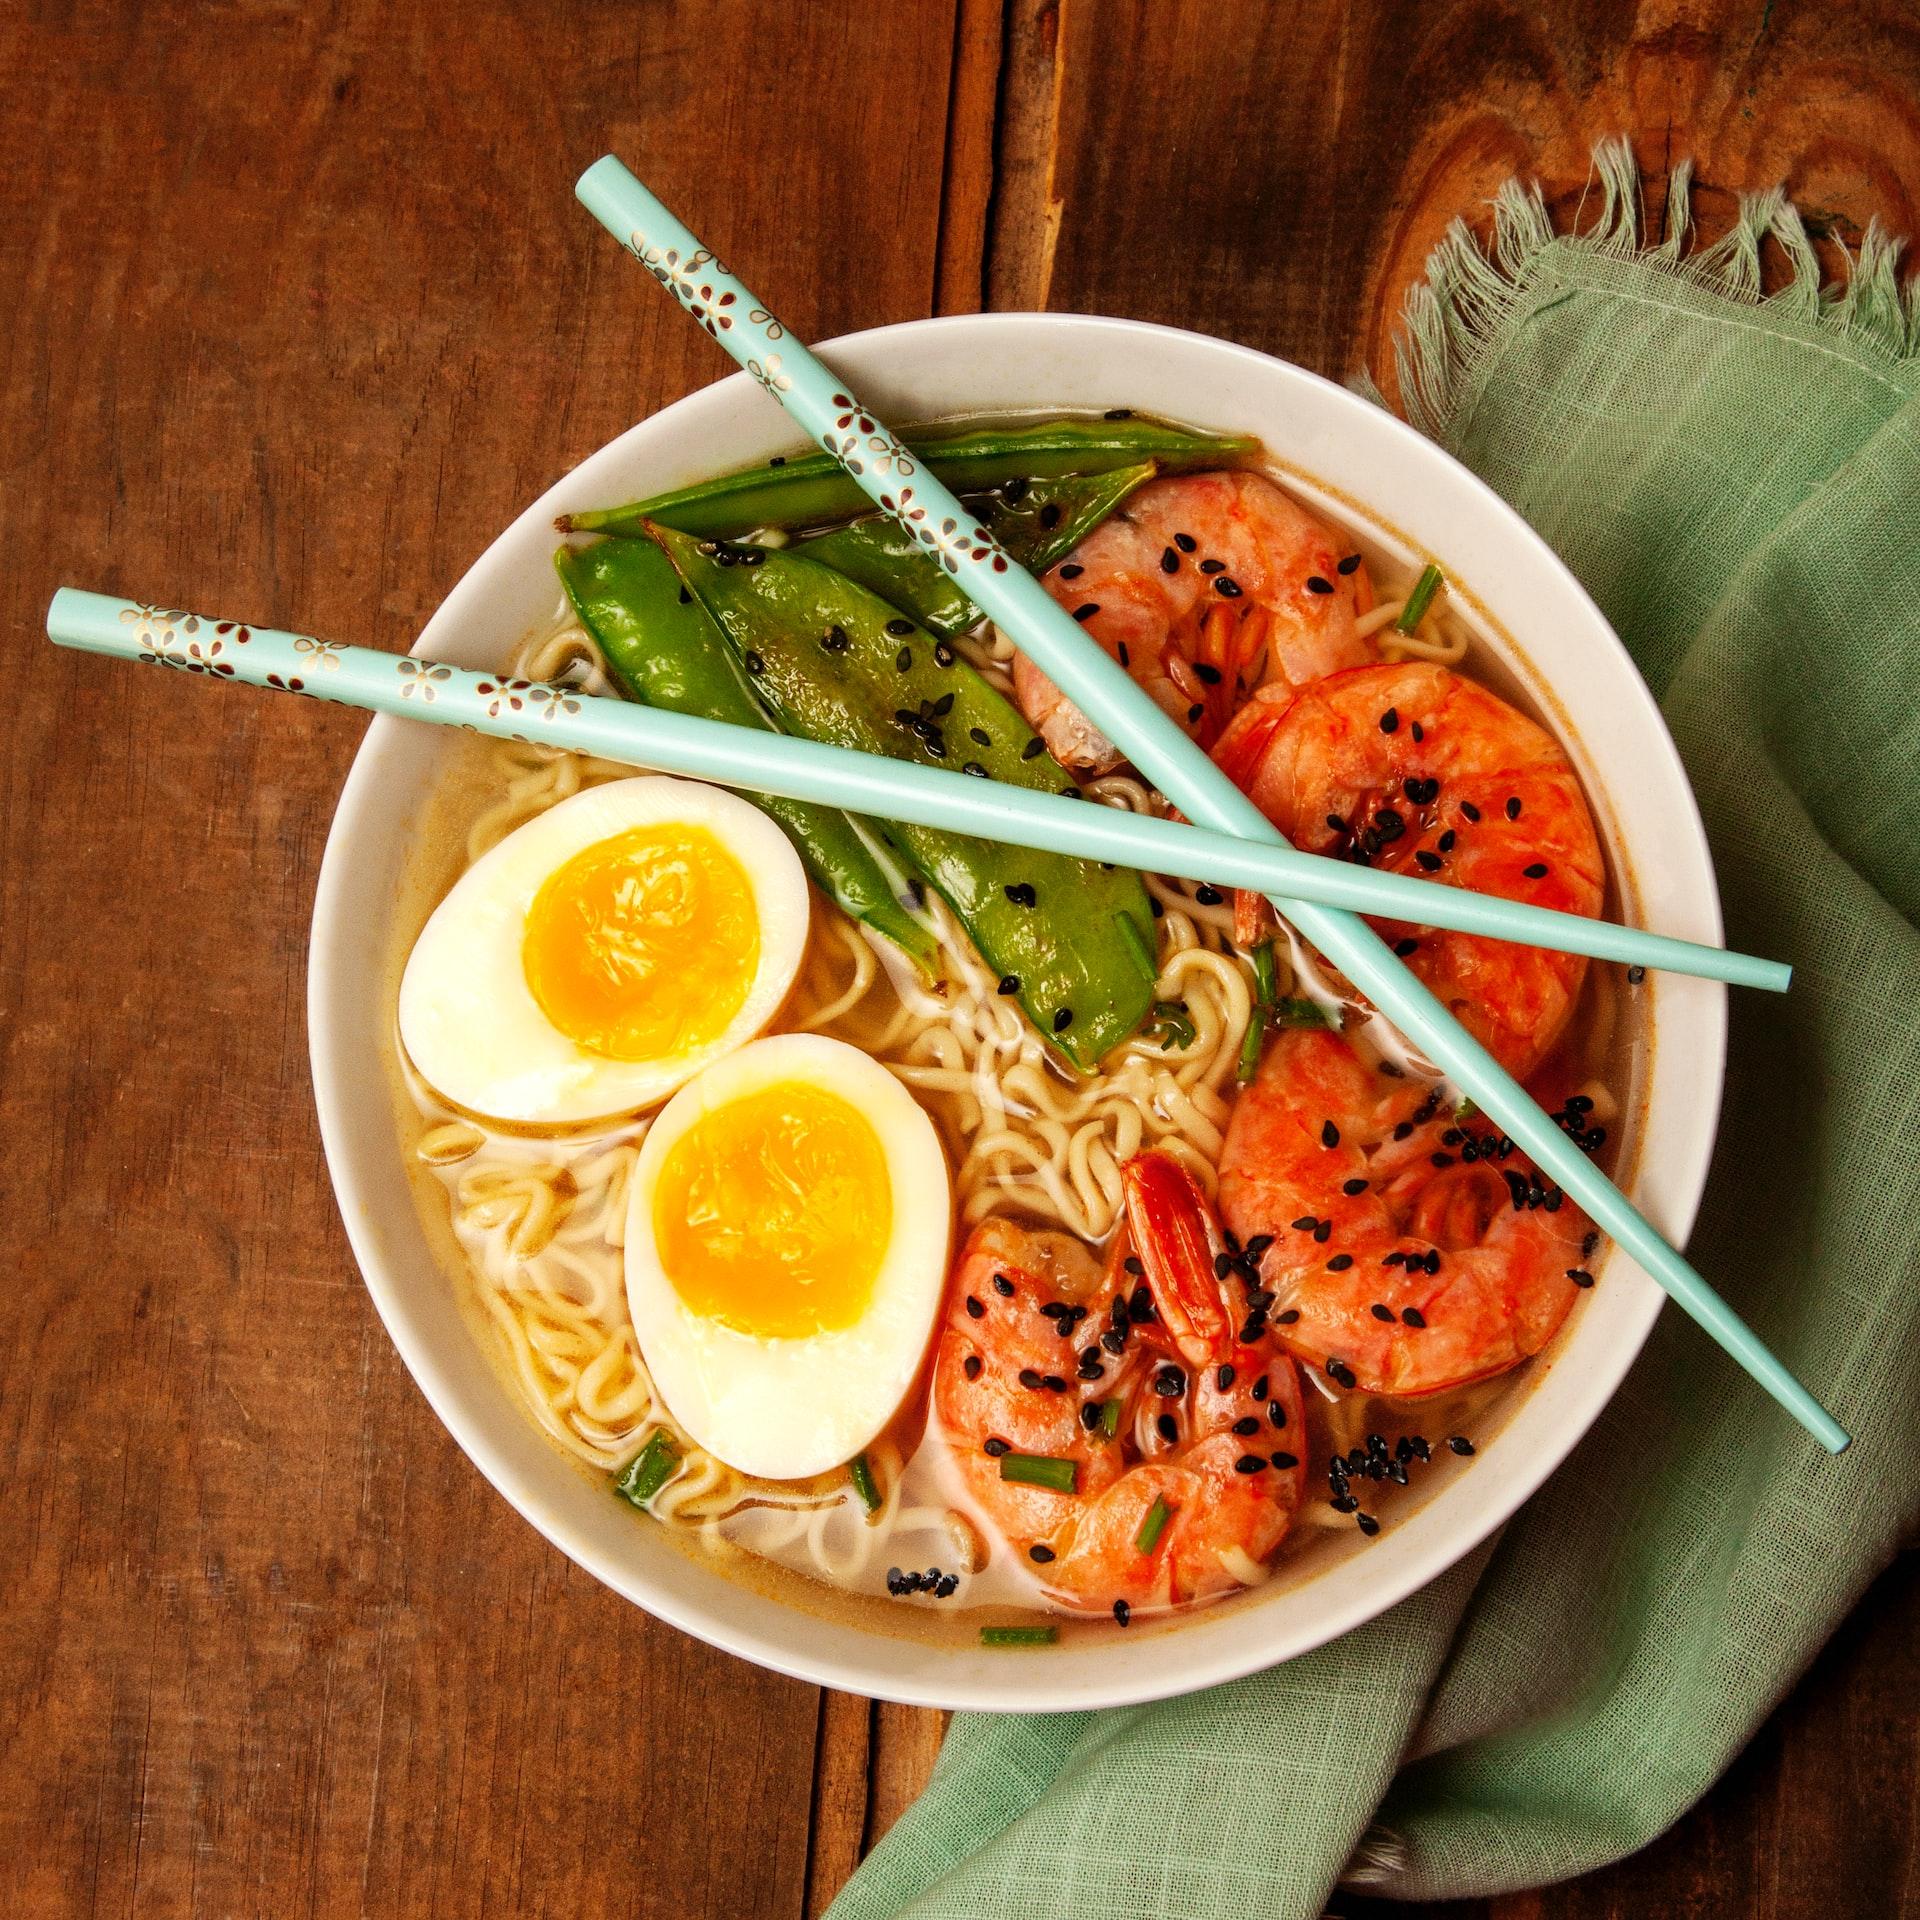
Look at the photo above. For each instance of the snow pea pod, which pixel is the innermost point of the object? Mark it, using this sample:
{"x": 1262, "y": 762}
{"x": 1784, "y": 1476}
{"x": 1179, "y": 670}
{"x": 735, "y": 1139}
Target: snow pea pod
{"x": 1072, "y": 939}
{"x": 811, "y": 490}
{"x": 1037, "y": 521}
{"x": 664, "y": 651}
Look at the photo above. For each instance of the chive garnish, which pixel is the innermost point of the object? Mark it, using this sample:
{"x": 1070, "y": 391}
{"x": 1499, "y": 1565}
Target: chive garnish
{"x": 1265, "y": 976}
{"x": 1301, "y": 1013}
{"x": 1136, "y": 943}
{"x": 1171, "y": 1025}
{"x": 649, "y": 1470}
{"x": 1018, "y": 1636}
{"x": 1153, "y": 1526}
{"x": 862, "y": 1477}
{"x": 1041, "y": 1470}
{"x": 1250, "y": 1042}
{"x": 1109, "y": 1418}
{"x": 1419, "y": 600}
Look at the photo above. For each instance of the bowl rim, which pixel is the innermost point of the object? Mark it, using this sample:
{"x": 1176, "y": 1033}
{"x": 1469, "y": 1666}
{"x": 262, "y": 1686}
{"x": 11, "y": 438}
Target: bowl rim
{"x": 333, "y": 959}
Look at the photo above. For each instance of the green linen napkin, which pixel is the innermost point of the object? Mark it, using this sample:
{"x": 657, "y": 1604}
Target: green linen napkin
{"x": 1737, "y": 481}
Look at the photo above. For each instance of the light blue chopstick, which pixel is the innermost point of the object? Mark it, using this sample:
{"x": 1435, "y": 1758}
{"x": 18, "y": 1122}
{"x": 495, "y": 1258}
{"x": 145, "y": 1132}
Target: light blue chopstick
{"x": 1123, "y": 711}
{"x": 560, "y": 716}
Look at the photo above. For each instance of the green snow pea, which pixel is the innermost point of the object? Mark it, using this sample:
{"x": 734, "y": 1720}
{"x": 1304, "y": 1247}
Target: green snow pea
{"x": 1037, "y": 521}
{"x": 1072, "y": 939}
{"x": 809, "y": 490}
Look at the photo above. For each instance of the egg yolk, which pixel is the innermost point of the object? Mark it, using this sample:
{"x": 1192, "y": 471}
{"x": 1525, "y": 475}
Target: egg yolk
{"x": 772, "y": 1213}
{"x": 644, "y": 945}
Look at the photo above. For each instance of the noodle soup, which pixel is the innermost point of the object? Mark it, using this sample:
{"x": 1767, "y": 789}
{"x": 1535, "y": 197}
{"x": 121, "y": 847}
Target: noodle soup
{"x": 533, "y": 1221}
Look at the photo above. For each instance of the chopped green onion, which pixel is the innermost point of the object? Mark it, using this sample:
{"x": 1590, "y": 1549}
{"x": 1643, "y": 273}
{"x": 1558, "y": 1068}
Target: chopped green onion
{"x": 1041, "y": 1470}
{"x": 1265, "y": 976}
{"x": 1109, "y": 1418}
{"x": 1018, "y": 1636}
{"x": 1250, "y": 1044}
{"x": 1301, "y": 1013}
{"x": 1466, "y": 1110}
{"x": 1419, "y": 600}
{"x": 1136, "y": 943}
{"x": 862, "y": 1477}
{"x": 1171, "y": 1024}
{"x": 649, "y": 1470}
{"x": 1153, "y": 1526}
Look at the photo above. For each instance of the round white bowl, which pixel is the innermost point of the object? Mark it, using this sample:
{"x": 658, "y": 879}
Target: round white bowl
{"x": 1363, "y": 466}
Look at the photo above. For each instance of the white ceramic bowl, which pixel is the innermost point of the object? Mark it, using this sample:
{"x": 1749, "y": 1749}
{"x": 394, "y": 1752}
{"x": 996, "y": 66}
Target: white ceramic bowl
{"x": 1364, "y": 467}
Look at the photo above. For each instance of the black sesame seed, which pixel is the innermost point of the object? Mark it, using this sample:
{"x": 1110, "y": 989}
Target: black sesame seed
{"x": 1344, "y": 1503}
{"x": 1169, "y": 561}
{"x": 1022, "y": 894}
{"x": 995, "y": 1447}
{"x": 1086, "y": 611}
{"x": 1227, "y": 589}
{"x": 1167, "y": 1427}
{"x": 1223, "y": 1379}
{"x": 1249, "y": 1463}
{"x": 943, "y": 655}
{"x": 1033, "y": 749}
{"x": 1635, "y": 975}
{"x": 1353, "y": 1186}
{"x": 835, "y": 640}
{"x": 1445, "y": 842}
{"x": 1276, "y": 1414}
{"x": 1413, "y": 1316}
{"x": 1050, "y": 515}
{"x": 1072, "y": 570}
{"x": 1340, "y": 1263}
{"x": 1063, "y": 1020}
{"x": 1246, "y": 1425}
{"x": 1580, "y": 1276}
{"x": 1122, "y": 1612}
{"x": 1538, "y": 871}
{"x": 1513, "y": 806}
{"x": 1168, "y": 1382}
{"x": 1284, "y": 1461}
{"x": 1029, "y": 1379}
{"x": 1390, "y": 720}
{"x": 1003, "y": 1286}
{"x": 903, "y": 660}
{"x": 1381, "y": 1313}
{"x": 1338, "y": 1370}
{"x": 1208, "y": 896}
{"x": 1460, "y": 1444}
{"x": 1405, "y": 950}
{"x": 1213, "y": 566}
{"x": 1195, "y": 711}
{"x": 754, "y": 663}
{"x": 1209, "y": 675}
{"x": 1367, "y": 1524}
{"x": 1329, "y": 1134}
{"x": 970, "y": 1366}
{"x": 1010, "y": 983}
{"x": 1323, "y": 1232}
{"x": 1317, "y": 585}
{"x": 1118, "y": 413}
{"x": 1040, "y": 1552}
{"x": 1429, "y": 862}
{"x": 1349, "y": 564}
{"x": 1288, "y": 1317}
{"x": 1185, "y": 542}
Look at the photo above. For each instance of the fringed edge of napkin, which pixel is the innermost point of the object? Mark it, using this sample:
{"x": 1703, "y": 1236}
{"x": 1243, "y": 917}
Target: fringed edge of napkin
{"x": 1450, "y": 321}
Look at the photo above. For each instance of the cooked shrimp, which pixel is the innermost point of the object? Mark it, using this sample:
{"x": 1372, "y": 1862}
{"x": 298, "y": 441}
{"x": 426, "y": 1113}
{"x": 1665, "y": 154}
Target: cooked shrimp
{"x": 1215, "y": 1418}
{"x": 1408, "y": 1252}
{"x": 1414, "y": 768}
{"x": 1203, "y": 586}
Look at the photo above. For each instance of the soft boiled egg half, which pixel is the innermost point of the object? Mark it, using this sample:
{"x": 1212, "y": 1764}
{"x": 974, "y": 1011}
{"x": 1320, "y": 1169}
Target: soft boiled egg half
{"x": 787, "y": 1234}
{"x": 605, "y": 952}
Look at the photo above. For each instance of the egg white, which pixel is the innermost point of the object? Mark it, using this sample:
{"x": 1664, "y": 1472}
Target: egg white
{"x": 470, "y": 1023}
{"x": 782, "y": 1409}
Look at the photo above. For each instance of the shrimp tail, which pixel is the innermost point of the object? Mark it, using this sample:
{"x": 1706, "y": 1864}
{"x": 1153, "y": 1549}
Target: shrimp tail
{"x": 1177, "y": 1241}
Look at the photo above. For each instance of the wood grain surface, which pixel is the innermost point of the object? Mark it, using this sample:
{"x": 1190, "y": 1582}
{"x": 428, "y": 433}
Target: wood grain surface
{"x": 298, "y": 314}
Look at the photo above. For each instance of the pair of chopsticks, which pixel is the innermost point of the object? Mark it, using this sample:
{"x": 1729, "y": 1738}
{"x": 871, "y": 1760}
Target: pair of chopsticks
{"x": 1230, "y": 841}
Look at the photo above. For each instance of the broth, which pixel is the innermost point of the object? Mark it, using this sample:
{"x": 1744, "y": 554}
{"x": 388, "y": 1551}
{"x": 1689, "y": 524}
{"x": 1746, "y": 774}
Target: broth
{"x": 528, "y": 1226}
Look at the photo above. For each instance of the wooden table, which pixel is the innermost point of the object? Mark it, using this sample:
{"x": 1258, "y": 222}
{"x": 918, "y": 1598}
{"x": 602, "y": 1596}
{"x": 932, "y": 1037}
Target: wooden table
{"x": 298, "y": 314}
